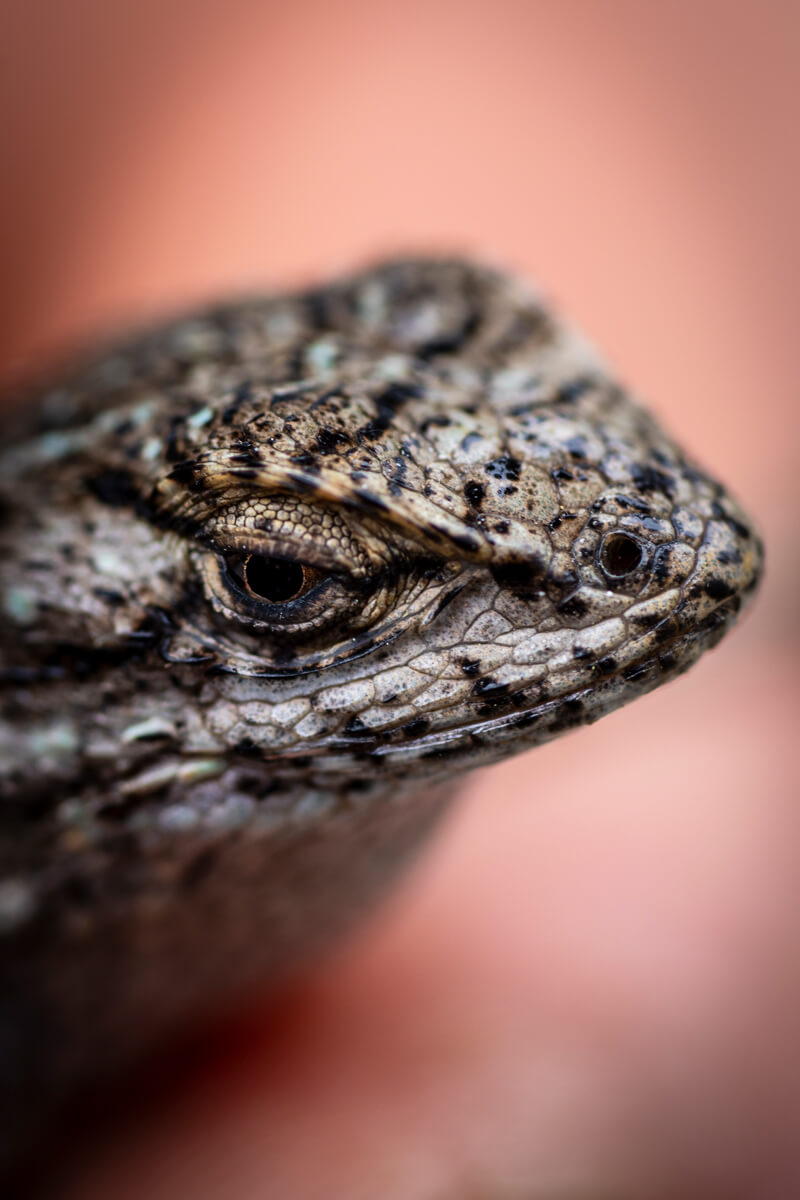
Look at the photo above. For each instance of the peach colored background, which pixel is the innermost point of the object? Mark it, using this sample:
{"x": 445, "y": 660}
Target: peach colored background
{"x": 591, "y": 984}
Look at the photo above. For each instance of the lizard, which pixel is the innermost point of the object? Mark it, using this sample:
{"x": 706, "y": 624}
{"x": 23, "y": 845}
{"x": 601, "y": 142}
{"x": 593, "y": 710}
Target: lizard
{"x": 272, "y": 576}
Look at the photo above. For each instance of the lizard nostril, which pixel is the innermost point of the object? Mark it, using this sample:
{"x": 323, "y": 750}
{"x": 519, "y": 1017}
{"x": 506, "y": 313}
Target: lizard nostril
{"x": 621, "y": 555}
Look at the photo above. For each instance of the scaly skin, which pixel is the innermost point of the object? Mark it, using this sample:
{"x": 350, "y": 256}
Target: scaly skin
{"x": 270, "y": 576}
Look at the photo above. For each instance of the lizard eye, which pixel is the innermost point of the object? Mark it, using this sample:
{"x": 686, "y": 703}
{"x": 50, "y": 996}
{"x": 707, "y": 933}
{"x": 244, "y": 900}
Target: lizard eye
{"x": 276, "y": 580}
{"x": 288, "y": 573}
{"x": 273, "y": 592}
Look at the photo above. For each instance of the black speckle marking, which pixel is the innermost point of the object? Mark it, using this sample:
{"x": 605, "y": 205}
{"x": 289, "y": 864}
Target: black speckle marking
{"x": 574, "y": 390}
{"x": 526, "y": 718}
{"x": 388, "y": 403}
{"x": 463, "y": 541}
{"x": 644, "y": 621}
{"x": 577, "y": 448}
{"x": 372, "y": 431}
{"x": 187, "y": 473}
{"x": 718, "y": 589}
{"x": 248, "y": 747}
{"x": 665, "y": 630}
{"x": 326, "y": 400}
{"x": 439, "y": 420}
{"x": 470, "y": 439}
{"x": 651, "y": 479}
{"x": 371, "y": 499}
{"x": 114, "y": 487}
{"x": 415, "y": 728}
{"x": 556, "y": 522}
{"x": 329, "y": 440}
{"x": 573, "y": 608}
{"x": 660, "y": 569}
{"x": 355, "y": 727}
{"x": 625, "y": 501}
{"x": 475, "y": 493}
{"x": 247, "y": 457}
{"x": 450, "y": 343}
{"x": 561, "y": 475}
{"x": 505, "y": 467}
{"x": 490, "y": 687}
{"x": 446, "y": 599}
{"x": 519, "y": 576}
{"x": 719, "y": 513}
{"x": 470, "y": 666}
{"x": 109, "y": 596}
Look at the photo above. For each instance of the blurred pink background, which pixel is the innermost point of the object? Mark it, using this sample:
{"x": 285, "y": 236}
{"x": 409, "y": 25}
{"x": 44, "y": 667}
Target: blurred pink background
{"x": 591, "y": 983}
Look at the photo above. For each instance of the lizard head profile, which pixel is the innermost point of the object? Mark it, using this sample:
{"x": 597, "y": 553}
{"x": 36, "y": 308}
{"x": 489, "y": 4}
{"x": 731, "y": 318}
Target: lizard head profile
{"x": 381, "y": 531}
{"x": 389, "y": 529}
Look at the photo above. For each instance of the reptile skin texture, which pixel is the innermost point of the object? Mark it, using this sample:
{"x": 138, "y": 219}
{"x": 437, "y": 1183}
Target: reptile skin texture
{"x": 271, "y": 577}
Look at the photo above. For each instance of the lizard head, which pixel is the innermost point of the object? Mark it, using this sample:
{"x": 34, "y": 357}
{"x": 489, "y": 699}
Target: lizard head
{"x": 270, "y": 570}
{"x": 349, "y": 540}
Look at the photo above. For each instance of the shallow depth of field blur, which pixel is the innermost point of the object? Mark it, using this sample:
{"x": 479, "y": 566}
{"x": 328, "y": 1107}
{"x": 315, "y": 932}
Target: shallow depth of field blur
{"x": 591, "y": 983}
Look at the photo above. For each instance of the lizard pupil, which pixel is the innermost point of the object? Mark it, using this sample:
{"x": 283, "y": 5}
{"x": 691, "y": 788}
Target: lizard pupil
{"x": 274, "y": 579}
